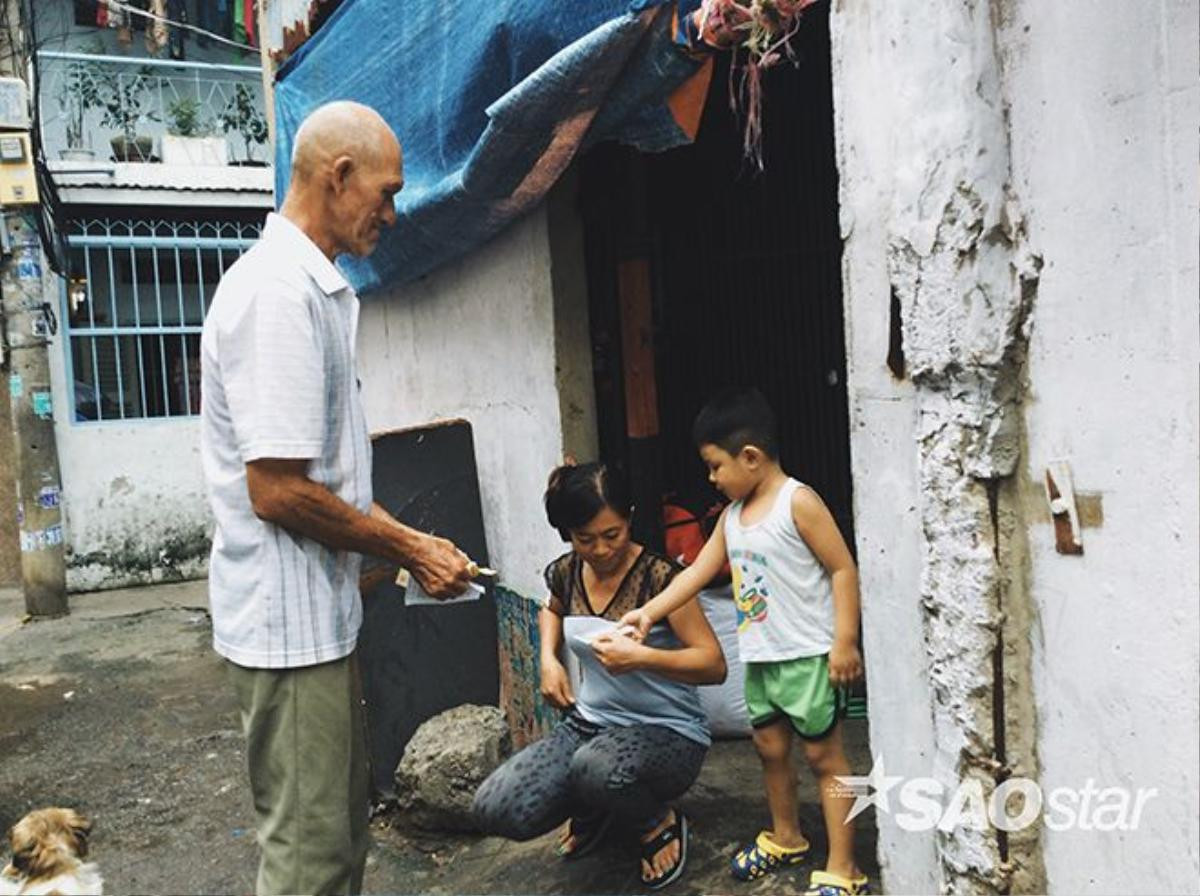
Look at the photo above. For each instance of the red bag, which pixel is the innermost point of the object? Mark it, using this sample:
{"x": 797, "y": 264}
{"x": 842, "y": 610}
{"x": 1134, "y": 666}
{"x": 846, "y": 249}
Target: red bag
{"x": 685, "y": 533}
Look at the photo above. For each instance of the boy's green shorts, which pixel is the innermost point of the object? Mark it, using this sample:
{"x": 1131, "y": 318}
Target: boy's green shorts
{"x": 798, "y": 690}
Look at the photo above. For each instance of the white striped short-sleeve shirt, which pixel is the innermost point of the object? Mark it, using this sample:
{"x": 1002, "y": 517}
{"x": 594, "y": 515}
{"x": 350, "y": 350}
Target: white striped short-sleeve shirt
{"x": 279, "y": 381}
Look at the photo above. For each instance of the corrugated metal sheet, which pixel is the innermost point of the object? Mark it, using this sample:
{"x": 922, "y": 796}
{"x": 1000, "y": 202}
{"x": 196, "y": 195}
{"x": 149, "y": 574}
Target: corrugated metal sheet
{"x": 152, "y": 176}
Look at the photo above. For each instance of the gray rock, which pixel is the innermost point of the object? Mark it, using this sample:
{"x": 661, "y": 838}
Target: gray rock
{"x": 445, "y": 762}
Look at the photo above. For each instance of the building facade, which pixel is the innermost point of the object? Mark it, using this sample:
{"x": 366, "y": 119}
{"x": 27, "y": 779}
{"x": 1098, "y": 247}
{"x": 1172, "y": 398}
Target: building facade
{"x": 1014, "y": 240}
{"x": 155, "y": 139}
{"x": 1016, "y": 227}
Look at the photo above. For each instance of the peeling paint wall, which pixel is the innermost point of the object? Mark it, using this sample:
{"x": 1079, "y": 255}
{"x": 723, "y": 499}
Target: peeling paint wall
{"x": 134, "y": 507}
{"x": 932, "y": 225}
{"x": 1019, "y": 181}
{"x": 530, "y": 716}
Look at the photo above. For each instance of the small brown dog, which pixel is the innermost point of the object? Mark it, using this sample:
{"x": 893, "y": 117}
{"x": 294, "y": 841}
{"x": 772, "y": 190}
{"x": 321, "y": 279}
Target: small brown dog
{"x": 48, "y": 849}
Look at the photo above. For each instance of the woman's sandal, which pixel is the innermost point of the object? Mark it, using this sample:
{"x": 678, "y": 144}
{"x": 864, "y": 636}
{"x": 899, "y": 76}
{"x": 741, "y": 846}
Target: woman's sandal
{"x": 765, "y": 855}
{"x": 588, "y": 832}
{"x": 675, "y": 831}
{"x": 823, "y": 883}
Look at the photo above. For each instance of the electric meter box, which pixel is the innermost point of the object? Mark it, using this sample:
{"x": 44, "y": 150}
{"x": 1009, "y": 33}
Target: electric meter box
{"x": 14, "y": 105}
{"x": 18, "y": 185}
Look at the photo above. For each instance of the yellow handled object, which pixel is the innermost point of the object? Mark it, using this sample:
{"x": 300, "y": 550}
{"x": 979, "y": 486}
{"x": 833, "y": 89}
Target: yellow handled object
{"x": 474, "y": 570}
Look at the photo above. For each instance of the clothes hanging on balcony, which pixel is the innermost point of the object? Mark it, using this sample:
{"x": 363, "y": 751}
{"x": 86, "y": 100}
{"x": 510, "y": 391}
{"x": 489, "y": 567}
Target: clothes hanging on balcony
{"x": 177, "y": 12}
{"x": 248, "y": 16}
{"x": 85, "y": 12}
{"x": 116, "y": 16}
{"x": 140, "y": 23}
{"x": 212, "y": 15}
{"x": 100, "y": 13}
{"x": 239, "y": 21}
{"x": 156, "y": 30}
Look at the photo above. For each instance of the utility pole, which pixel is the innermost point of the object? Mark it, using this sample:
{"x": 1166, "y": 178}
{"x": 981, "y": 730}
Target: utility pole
{"x": 28, "y": 323}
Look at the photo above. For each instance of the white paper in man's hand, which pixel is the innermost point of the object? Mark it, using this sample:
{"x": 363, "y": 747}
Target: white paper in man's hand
{"x": 415, "y": 595}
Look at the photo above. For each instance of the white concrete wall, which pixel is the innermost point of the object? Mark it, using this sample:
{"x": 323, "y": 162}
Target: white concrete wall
{"x": 883, "y": 426}
{"x": 1102, "y": 113}
{"x": 1105, "y": 110}
{"x": 476, "y": 340}
{"x": 133, "y": 493}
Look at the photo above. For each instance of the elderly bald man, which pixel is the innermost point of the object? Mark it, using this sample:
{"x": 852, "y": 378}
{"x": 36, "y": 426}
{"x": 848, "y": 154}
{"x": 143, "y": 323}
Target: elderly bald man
{"x": 287, "y": 462}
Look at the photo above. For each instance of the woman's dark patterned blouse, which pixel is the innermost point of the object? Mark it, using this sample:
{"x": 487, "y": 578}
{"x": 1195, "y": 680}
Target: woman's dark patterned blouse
{"x": 650, "y": 574}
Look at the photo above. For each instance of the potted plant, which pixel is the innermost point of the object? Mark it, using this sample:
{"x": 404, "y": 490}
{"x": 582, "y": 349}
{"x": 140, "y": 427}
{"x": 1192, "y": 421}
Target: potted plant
{"x": 123, "y": 104}
{"x": 78, "y": 92}
{"x": 241, "y": 115}
{"x": 189, "y": 139}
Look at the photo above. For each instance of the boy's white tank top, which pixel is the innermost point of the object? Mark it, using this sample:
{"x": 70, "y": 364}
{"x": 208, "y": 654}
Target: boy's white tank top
{"x": 783, "y": 594}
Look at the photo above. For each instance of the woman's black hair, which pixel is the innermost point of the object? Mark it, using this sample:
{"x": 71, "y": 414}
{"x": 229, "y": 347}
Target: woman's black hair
{"x": 575, "y": 494}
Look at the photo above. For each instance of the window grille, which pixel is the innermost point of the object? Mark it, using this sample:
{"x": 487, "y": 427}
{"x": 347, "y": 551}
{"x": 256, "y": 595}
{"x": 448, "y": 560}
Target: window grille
{"x": 134, "y": 307}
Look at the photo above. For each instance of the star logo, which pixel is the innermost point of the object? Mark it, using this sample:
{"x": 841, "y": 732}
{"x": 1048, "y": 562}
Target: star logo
{"x": 869, "y": 790}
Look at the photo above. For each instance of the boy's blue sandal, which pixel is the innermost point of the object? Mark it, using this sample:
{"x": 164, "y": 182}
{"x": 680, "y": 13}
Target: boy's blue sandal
{"x": 677, "y": 831}
{"x": 588, "y": 832}
{"x": 822, "y": 883}
{"x": 764, "y": 855}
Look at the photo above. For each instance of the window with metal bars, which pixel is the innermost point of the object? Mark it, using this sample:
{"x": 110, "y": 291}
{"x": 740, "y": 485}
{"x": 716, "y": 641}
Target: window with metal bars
{"x": 135, "y": 302}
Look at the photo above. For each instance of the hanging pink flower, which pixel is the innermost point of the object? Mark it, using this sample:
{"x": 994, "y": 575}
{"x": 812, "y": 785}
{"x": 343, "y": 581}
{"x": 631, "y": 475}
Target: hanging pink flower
{"x": 762, "y": 29}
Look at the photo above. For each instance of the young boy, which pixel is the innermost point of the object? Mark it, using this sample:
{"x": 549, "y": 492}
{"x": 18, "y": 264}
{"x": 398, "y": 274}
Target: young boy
{"x": 796, "y": 589}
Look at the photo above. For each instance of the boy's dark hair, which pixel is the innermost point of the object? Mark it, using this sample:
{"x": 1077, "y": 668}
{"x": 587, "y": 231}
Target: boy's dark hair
{"x": 735, "y": 418}
{"x": 575, "y": 494}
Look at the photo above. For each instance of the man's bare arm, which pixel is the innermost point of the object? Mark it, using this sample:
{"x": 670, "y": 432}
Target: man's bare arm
{"x": 282, "y": 493}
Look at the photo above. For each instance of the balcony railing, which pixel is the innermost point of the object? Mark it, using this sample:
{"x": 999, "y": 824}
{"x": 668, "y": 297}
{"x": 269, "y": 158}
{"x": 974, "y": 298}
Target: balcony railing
{"x": 93, "y": 106}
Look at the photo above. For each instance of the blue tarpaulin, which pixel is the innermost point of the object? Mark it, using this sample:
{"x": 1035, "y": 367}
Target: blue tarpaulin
{"x": 491, "y": 101}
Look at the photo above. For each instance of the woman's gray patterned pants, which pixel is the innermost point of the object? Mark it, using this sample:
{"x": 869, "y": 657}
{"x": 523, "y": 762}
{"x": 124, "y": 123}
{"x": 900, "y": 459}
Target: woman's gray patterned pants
{"x": 583, "y": 770}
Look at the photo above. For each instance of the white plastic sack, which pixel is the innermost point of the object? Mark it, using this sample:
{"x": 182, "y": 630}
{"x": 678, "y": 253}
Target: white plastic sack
{"x": 725, "y": 703}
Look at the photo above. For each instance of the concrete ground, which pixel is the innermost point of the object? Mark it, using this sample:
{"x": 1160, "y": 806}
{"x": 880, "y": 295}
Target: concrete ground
{"x": 122, "y": 711}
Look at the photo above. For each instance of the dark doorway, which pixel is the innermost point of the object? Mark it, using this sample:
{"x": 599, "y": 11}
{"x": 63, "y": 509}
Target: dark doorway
{"x": 740, "y": 271}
